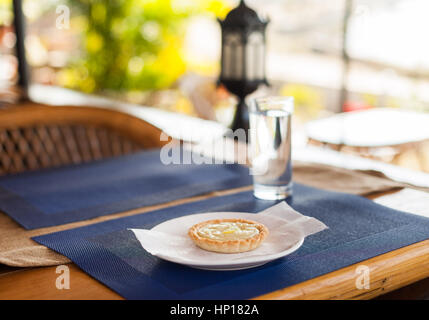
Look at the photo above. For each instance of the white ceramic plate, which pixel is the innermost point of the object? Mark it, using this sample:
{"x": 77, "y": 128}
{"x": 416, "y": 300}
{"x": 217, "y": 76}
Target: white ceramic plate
{"x": 224, "y": 262}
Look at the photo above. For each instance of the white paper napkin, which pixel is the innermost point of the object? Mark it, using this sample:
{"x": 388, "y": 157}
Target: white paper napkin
{"x": 286, "y": 228}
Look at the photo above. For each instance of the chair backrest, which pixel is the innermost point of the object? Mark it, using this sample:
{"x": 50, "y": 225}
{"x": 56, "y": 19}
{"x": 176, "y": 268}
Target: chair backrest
{"x": 36, "y": 136}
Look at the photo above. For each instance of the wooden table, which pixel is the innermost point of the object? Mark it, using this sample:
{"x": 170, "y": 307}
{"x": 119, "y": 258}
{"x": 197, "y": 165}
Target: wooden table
{"x": 388, "y": 272}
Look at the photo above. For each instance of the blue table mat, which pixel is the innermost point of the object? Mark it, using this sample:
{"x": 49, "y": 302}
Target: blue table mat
{"x": 79, "y": 192}
{"x": 359, "y": 229}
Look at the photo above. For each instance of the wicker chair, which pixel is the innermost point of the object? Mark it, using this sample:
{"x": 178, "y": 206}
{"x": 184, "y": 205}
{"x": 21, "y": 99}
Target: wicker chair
{"x": 36, "y": 136}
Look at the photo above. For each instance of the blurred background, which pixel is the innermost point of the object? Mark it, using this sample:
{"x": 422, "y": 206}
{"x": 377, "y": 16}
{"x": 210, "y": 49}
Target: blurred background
{"x": 337, "y": 56}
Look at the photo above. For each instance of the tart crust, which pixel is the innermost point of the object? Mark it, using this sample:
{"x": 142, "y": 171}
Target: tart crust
{"x": 228, "y": 246}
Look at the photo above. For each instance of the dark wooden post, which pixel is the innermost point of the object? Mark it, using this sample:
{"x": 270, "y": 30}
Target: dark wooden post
{"x": 19, "y": 26}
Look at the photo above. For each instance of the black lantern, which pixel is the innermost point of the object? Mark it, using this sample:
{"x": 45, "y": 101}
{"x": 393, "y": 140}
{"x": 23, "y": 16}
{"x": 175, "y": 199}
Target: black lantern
{"x": 243, "y": 57}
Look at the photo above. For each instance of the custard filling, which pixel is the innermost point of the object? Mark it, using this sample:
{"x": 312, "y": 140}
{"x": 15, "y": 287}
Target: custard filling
{"x": 228, "y": 231}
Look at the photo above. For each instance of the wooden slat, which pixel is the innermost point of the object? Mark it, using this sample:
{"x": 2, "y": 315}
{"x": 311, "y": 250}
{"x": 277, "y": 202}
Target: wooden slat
{"x": 388, "y": 272}
{"x": 40, "y": 284}
{"x": 415, "y": 291}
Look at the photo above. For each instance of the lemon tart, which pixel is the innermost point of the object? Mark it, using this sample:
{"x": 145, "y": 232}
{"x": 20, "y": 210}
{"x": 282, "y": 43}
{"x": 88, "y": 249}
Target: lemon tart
{"x": 228, "y": 235}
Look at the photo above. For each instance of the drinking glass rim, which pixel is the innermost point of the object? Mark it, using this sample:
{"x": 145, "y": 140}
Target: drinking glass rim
{"x": 286, "y": 103}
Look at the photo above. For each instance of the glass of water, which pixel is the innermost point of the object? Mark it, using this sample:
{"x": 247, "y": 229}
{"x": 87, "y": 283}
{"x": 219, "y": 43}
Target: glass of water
{"x": 270, "y": 146}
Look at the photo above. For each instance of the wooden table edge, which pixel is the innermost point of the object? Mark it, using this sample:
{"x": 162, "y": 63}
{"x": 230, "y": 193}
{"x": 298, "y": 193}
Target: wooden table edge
{"x": 387, "y": 272}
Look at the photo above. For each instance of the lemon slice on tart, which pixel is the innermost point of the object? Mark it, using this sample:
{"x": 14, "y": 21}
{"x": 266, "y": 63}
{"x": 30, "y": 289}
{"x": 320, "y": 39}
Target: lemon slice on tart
{"x": 228, "y": 235}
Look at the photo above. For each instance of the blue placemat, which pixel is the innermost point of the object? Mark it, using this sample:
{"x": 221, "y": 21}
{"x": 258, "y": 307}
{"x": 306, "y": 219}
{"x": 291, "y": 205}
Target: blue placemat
{"x": 358, "y": 230}
{"x": 73, "y": 193}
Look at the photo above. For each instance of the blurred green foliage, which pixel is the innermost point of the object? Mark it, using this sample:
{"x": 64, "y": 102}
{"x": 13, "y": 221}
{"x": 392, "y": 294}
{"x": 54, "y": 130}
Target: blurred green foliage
{"x": 131, "y": 44}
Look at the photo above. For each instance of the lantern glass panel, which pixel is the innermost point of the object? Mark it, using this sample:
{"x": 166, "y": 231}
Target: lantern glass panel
{"x": 233, "y": 54}
{"x": 255, "y": 56}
